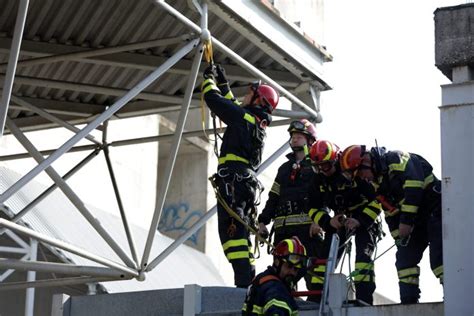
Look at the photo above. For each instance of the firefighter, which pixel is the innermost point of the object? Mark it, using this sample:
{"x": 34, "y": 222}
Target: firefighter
{"x": 288, "y": 198}
{"x": 355, "y": 213}
{"x": 240, "y": 156}
{"x": 270, "y": 291}
{"x": 411, "y": 197}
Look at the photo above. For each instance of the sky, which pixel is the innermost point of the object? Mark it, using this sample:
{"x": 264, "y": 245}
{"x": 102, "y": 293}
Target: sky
{"x": 385, "y": 87}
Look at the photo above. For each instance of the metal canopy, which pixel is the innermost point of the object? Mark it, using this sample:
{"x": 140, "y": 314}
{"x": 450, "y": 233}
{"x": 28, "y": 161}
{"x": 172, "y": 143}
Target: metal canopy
{"x": 90, "y": 61}
{"x": 78, "y": 57}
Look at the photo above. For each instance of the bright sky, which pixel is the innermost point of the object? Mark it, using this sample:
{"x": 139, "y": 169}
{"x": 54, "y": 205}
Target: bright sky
{"x": 385, "y": 86}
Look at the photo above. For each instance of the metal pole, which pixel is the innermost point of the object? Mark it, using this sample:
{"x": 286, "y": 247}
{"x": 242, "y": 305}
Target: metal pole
{"x": 52, "y": 282}
{"x": 126, "y": 227}
{"x": 172, "y": 157}
{"x": 11, "y": 68}
{"x": 98, "y": 120}
{"x": 71, "y": 195}
{"x": 196, "y": 226}
{"x": 9, "y": 272}
{"x": 68, "y": 247}
{"x": 43, "y": 195}
{"x": 30, "y": 277}
{"x": 330, "y": 267}
{"x": 46, "y": 152}
{"x": 52, "y": 118}
{"x": 134, "y": 141}
{"x": 61, "y": 268}
{"x": 239, "y": 60}
{"x": 101, "y": 51}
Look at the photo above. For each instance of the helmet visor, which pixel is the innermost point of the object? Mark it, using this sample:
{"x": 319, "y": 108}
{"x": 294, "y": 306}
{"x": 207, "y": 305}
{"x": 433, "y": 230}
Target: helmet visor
{"x": 297, "y": 125}
{"x": 297, "y": 261}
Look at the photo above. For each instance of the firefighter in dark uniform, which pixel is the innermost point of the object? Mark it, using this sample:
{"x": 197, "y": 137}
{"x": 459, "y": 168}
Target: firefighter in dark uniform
{"x": 288, "y": 198}
{"x": 240, "y": 156}
{"x": 355, "y": 213}
{"x": 270, "y": 291}
{"x": 411, "y": 196}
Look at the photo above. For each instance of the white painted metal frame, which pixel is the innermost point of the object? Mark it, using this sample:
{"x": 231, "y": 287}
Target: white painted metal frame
{"x": 131, "y": 267}
{"x": 12, "y": 62}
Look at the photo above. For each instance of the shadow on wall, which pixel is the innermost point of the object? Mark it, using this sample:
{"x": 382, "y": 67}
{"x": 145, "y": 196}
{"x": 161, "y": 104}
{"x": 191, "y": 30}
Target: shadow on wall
{"x": 177, "y": 218}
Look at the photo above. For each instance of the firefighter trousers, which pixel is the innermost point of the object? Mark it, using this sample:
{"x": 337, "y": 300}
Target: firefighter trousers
{"x": 238, "y": 190}
{"x": 408, "y": 257}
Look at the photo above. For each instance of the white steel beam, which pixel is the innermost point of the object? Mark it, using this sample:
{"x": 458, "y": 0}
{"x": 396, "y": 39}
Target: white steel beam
{"x": 12, "y": 61}
{"x": 10, "y": 286}
{"x": 52, "y": 118}
{"x": 178, "y": 133}
{"x": 71, "y": 195}
{"x": 123, "y": 215}
{"x": 61, "y": 268}
{"x": 68, "y": 247}
{"x": 98, "y": 120}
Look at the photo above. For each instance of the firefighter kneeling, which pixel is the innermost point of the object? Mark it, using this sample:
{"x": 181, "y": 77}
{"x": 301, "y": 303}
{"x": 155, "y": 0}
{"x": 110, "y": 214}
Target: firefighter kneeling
{"x": 269, "y": 293}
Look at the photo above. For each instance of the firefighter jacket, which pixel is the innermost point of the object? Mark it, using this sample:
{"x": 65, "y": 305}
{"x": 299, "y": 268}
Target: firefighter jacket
{"x": 407, "y": 182}
{"x": 352, "y": 198}
{"x": 243, "y": 140}
{"x": 268, "y": 295}
{"x": 287, "y": 202}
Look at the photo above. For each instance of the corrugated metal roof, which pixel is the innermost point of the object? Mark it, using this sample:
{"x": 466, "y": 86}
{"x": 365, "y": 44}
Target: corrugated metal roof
{"x": 58, "y": 218}
{"x": 76, "y": 89}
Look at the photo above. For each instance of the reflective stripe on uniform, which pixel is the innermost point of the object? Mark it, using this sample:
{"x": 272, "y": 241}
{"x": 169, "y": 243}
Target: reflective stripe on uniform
{"x": 298, "y": 219}
{"x": 394, "y": 233}
{"x": 249, "y": 118}
{"x": 413, "y": 184}
{"x": 401, "y": 166}
{"x": 275, "y": 302}
{"x": 316, "y": 214}
{"x": 415, "y": 271}
{"x": 232, "y": 157}
{"x": 410, "y": 280}
{"x": 370, "y": 213}
{"x": 235, "y": 243}
{"x": 237, "y": 255}
{"x": 428, "y": 180}
{"x": 208, "y": 85}
{"x": 409, "y": 208}
{"x": 438, "y": 271}
{"x": 275, "y": 188}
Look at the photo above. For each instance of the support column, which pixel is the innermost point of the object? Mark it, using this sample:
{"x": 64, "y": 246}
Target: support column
{"x": 455, "y": 58}
{"x": 30, "y": 277}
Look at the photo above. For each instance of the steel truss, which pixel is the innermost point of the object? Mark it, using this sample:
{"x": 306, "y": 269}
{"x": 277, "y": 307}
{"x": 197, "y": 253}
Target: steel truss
{"x": 131, "y": 265}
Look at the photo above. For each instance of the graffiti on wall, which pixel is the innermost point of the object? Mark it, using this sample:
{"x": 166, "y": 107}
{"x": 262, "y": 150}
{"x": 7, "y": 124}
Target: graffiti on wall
{"x": 177, "y": 218}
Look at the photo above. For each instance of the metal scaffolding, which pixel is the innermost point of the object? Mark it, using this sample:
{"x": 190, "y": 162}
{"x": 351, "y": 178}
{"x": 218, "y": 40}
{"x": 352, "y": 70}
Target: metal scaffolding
{"x": 131, "y": 265}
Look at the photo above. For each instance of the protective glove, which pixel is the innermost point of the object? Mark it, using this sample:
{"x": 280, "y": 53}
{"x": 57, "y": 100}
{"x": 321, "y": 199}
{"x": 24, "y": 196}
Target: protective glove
{"x": 209, "y": 72}
{"x": 262, "y": 230}
{"x": 220, "y": 75}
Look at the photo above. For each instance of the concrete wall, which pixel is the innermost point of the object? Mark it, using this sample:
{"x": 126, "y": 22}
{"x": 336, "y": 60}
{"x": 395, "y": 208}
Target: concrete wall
{"x": 455, "y": 58}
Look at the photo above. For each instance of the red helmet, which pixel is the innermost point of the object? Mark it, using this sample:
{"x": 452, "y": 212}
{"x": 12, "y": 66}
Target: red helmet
{"x": 292, "y": 251}
{"x": 268, "y": 96}
{"x": 305, "y": 127}
{"x": 352, "y": 157}
{"x": 323, "y": 151}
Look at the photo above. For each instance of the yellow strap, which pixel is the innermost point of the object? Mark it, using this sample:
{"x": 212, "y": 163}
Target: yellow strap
{"x": 208, "y": 54}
